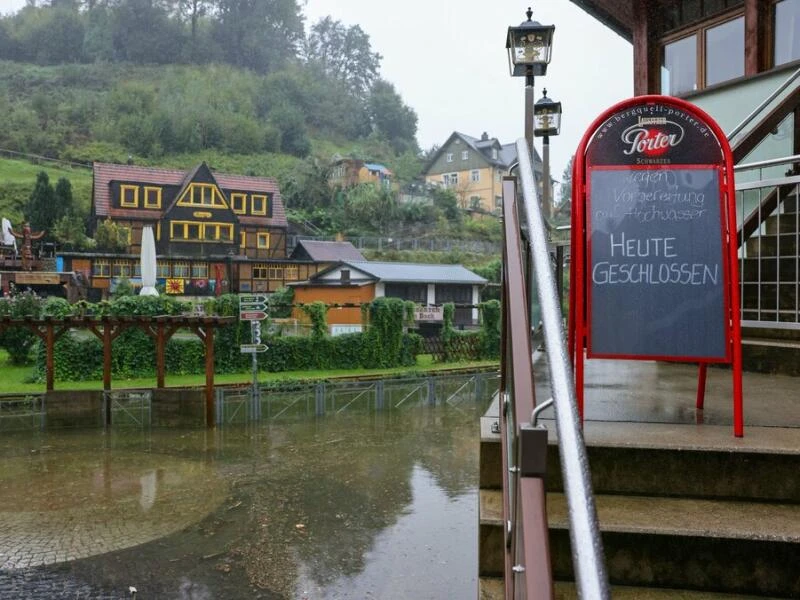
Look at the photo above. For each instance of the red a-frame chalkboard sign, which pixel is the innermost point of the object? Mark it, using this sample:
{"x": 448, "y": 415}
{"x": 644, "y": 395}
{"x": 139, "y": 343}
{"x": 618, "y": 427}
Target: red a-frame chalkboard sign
{"x": 654, "y": 253}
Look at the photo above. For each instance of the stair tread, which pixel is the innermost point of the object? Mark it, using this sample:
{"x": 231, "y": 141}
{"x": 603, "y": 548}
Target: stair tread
{"x": 568, "y": 591}
{"x": 766, "y": 341}
{"x": 687, "y": 517}
{"x": 490, "y": 507}
{"x": 491, "y": 588}
{"x": 676, "y": 436}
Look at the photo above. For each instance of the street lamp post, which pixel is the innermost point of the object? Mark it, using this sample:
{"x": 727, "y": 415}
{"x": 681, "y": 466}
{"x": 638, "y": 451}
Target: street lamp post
{"x": 529, "y": 47}
{"x": 546, "y": 122}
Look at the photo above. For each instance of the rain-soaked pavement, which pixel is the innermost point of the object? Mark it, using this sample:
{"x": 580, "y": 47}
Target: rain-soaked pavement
{"x": 362, "y": 505}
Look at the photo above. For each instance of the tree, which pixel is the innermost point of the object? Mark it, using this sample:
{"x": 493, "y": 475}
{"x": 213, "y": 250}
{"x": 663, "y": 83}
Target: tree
{"x": 391, "y": 117}
{"x": 565, "y": 196}
{"x": 62, "y": 195}
{"x": 111, "y": 237}
{"x": 262, "y": 35}
{"x": 39, "y": 210}
{"x": 294, "y": 135}
{"x": 143, "y": 33}
{"x": 193, "y": 11}
{"x": 343, "y": 53}
{"x": 70, "y": 232}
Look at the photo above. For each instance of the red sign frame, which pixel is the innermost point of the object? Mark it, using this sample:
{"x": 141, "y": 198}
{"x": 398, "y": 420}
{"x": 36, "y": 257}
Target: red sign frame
{"x": 648, "y": 140}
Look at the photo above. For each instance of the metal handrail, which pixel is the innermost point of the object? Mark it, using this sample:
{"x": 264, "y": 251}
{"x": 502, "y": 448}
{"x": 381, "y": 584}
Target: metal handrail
{"x": 587, "y": 549}
{"x": 738, "y": 129}
{"x": 772, "y": 162}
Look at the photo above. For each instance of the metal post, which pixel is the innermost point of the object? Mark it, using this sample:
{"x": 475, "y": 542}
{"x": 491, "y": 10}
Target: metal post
{"x": 255, "y": 398}
{"x": 529, "y": 110}
{"x": 320, "y": 398}
{"x": 379, "y": 395}
{"x": 547, "y": 201}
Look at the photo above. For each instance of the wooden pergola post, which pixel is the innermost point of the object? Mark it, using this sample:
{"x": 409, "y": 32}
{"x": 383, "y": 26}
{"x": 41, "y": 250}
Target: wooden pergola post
{"x": 50, "y": 366}
{"x": 160, "y": 343}
{"x": 208, "y": 330}
{"x": 106, "y": 355}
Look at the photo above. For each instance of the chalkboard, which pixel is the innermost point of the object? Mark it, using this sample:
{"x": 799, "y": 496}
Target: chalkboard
{"x": 656, "y": 280}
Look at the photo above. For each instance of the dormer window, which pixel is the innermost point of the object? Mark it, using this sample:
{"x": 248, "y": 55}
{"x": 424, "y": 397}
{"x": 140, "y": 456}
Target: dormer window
{"x": 202, "y": 194}
{"x": 129, "y": 196}
{"x": 239, "y": 203}
{"x": 494, "y": 153}
{"x": 152, "y": 197}
{"x": 259, "y": 204}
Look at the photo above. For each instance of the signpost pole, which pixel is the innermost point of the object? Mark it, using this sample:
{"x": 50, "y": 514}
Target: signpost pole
{"x": 255, "y": 331}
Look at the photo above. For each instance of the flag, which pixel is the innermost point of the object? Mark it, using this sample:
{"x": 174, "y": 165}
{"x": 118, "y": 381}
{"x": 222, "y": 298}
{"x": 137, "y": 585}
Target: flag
{"x": 175, "y": 286}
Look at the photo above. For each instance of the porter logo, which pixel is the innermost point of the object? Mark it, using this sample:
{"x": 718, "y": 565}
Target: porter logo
{"x": 652, "y": 136}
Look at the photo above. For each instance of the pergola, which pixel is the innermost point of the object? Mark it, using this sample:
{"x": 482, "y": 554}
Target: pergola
{"x": 108, "y": 328}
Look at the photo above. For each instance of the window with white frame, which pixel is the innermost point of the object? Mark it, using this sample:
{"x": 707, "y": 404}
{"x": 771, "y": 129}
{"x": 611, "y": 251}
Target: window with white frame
{"x": 475, "y": 176}
{"x": 449, "y": 157}
{"x": 464, "y": 154}
{"x": 494, "y": 153}
{"x": 450, "y": 179}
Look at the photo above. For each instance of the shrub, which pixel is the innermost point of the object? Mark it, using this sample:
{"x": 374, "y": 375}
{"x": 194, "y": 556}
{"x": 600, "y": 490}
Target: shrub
{"x": 18, "y": 341}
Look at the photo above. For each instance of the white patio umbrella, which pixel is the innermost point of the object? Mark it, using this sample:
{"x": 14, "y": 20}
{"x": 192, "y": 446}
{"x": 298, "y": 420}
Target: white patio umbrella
{"x": 148, "y": 259}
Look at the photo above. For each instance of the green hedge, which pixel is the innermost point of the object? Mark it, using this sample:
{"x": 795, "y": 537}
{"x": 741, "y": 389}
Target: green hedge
{"x": 78, "y": 357}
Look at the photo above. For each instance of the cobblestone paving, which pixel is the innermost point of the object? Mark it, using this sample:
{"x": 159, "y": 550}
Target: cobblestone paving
{"x": 37, "y": 584}
{"x": 61, "y": 508}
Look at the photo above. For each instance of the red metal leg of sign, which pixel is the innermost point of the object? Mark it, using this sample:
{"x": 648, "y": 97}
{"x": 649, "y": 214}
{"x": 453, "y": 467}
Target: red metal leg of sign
{"x": 580, "y": 295}
{"x": 701, "y": 385}
{"x": 736, "y": 323}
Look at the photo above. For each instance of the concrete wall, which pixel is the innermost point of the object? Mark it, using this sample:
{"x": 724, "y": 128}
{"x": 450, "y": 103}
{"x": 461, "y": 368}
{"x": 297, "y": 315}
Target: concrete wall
{"x": 172, "y": 407}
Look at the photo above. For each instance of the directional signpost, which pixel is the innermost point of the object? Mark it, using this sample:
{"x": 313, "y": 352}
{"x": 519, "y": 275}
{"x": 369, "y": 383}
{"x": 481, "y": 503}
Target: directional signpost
{"x": 252, "y": 348}
{"x": 253, "y": 308}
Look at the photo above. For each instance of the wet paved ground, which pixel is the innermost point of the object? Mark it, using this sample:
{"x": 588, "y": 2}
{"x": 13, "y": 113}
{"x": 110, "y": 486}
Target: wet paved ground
{"x": 65, "y": 505}
{"x": 369, "y": 505}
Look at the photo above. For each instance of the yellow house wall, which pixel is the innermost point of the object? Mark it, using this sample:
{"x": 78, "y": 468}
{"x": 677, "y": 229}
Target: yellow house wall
{"x": 487, "y": 188}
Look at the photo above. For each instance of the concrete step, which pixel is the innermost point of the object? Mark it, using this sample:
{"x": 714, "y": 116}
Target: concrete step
{"x": 771, "y": 355}
{"x": 666, "y": 461}
{"x": 568, "y": 591}
{"x": 767, "y": 295}
{"x": 710, "y": 545}
{"x": 491, "y": 588}
{"x": 491, "y": 544}
{"x": 785, "y": 244}
{"x": 787, "y": 222}
{"x": 769, "y": 269}
{"x": 769, "y": 316}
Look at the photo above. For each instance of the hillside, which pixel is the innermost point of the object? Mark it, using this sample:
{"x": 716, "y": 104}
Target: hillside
{"x": 255, "y": 91}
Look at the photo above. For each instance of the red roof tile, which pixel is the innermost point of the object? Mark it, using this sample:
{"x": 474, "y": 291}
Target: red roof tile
{"x": 105, "y": 173}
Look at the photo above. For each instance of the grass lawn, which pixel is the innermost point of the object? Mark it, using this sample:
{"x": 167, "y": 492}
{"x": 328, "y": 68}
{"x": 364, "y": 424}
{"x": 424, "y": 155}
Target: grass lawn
{"x": 13, "y": 379}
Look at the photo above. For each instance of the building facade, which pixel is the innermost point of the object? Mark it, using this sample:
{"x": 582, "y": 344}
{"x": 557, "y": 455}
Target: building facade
{"x": 214, "y": 233}
{"x": 348, "y": 172}
{"x": 474, "y": 168}
{"x": 349, "y": 284}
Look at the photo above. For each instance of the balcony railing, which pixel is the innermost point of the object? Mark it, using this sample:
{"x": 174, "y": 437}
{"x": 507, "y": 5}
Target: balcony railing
{"x": 527, "y": 560}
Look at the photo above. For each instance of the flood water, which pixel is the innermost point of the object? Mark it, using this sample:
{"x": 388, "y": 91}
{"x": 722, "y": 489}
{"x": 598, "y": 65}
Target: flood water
{"x": 363, "y": 504}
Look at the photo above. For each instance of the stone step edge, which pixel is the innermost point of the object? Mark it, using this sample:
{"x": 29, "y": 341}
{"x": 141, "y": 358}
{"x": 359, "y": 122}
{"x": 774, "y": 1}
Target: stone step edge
{"x": 492, "y": 588}
{"x": 649, "y": 515}
{"x": 722, "y": 519}
{"x": 771, "y": 342}
{"x": 684, "y": 437}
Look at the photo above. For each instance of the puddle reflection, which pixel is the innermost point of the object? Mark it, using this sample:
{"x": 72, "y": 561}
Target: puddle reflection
{"x": 376, "y": 505}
